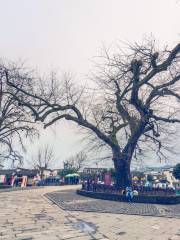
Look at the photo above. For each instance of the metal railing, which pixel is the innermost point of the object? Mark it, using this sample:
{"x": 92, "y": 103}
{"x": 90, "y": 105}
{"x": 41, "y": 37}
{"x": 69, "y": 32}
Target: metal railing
{"x": 142, "y": 190}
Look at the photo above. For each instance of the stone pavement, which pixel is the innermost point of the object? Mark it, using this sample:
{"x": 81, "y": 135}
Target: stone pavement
{"x": 68, "y": 200}
{"x": 28, "y": 215}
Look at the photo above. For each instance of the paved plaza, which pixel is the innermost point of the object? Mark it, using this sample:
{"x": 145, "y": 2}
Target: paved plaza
{"x": 29, "y": 215}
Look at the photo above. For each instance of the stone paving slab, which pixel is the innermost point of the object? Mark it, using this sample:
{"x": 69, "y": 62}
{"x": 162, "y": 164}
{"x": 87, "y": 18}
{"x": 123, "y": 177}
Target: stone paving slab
{"x": 28, "y": 215}
{"x": 69, "y": 200}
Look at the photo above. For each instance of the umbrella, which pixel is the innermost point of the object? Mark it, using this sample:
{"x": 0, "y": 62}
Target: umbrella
{"x": 75, "y": 174}
{"x": 72, "y": 175}
{"x": 69, "y": 175}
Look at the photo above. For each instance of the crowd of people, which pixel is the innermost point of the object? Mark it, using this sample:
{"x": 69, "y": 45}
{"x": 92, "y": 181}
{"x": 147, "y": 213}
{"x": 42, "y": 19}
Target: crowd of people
{"x": 129, "y": 192}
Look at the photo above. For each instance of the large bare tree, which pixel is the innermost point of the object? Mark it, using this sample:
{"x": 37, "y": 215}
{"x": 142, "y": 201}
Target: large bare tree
{"x": 135, "y": 101}
{"x": 15, "y": 123}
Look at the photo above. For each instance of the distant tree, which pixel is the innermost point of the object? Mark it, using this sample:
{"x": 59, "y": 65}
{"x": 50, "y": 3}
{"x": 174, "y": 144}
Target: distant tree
{"x": 176, "y": 171}
{"x": 73, "y": 164}
{"x": 44, "y": 159}
{"x": 64, "y": 172}
{"x": 132, "y": 106}
{"x": 76, "y": 161}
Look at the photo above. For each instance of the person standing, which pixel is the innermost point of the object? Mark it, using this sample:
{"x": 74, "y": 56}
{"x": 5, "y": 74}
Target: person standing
{"x": 129, "y": 194}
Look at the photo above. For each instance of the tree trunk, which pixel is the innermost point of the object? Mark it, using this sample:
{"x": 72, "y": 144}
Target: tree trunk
{"x": 122, "y": 170}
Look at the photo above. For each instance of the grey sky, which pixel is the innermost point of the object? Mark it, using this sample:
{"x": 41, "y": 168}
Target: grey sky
{"x": 65, "y": 34}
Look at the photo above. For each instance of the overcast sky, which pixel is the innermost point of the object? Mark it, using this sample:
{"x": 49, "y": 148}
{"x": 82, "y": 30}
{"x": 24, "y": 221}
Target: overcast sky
{"x": 65, "y": 35}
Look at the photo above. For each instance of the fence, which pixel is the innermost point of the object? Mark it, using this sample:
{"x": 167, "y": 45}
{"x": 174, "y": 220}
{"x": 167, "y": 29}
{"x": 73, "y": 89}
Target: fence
{"x": 142, "y": 190}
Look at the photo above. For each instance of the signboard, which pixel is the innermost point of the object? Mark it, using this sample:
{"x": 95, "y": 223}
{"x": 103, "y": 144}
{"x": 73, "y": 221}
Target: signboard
{"x": 24, "y": 181}
{"x": 107, "y": 179}
{"x": 12, "y": 180}
{"x": 2, "y": 178}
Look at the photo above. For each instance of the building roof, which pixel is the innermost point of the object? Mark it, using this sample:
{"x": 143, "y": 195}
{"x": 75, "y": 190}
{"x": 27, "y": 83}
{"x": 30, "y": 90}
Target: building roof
{"x": 93, "y": 169}
{"x": 19, "y": 172}
{"x": 26, "y": 172}
{"x": 7, "y": 171}
{"x": 57, "y": 169}
{"x": 158, "y": 169}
